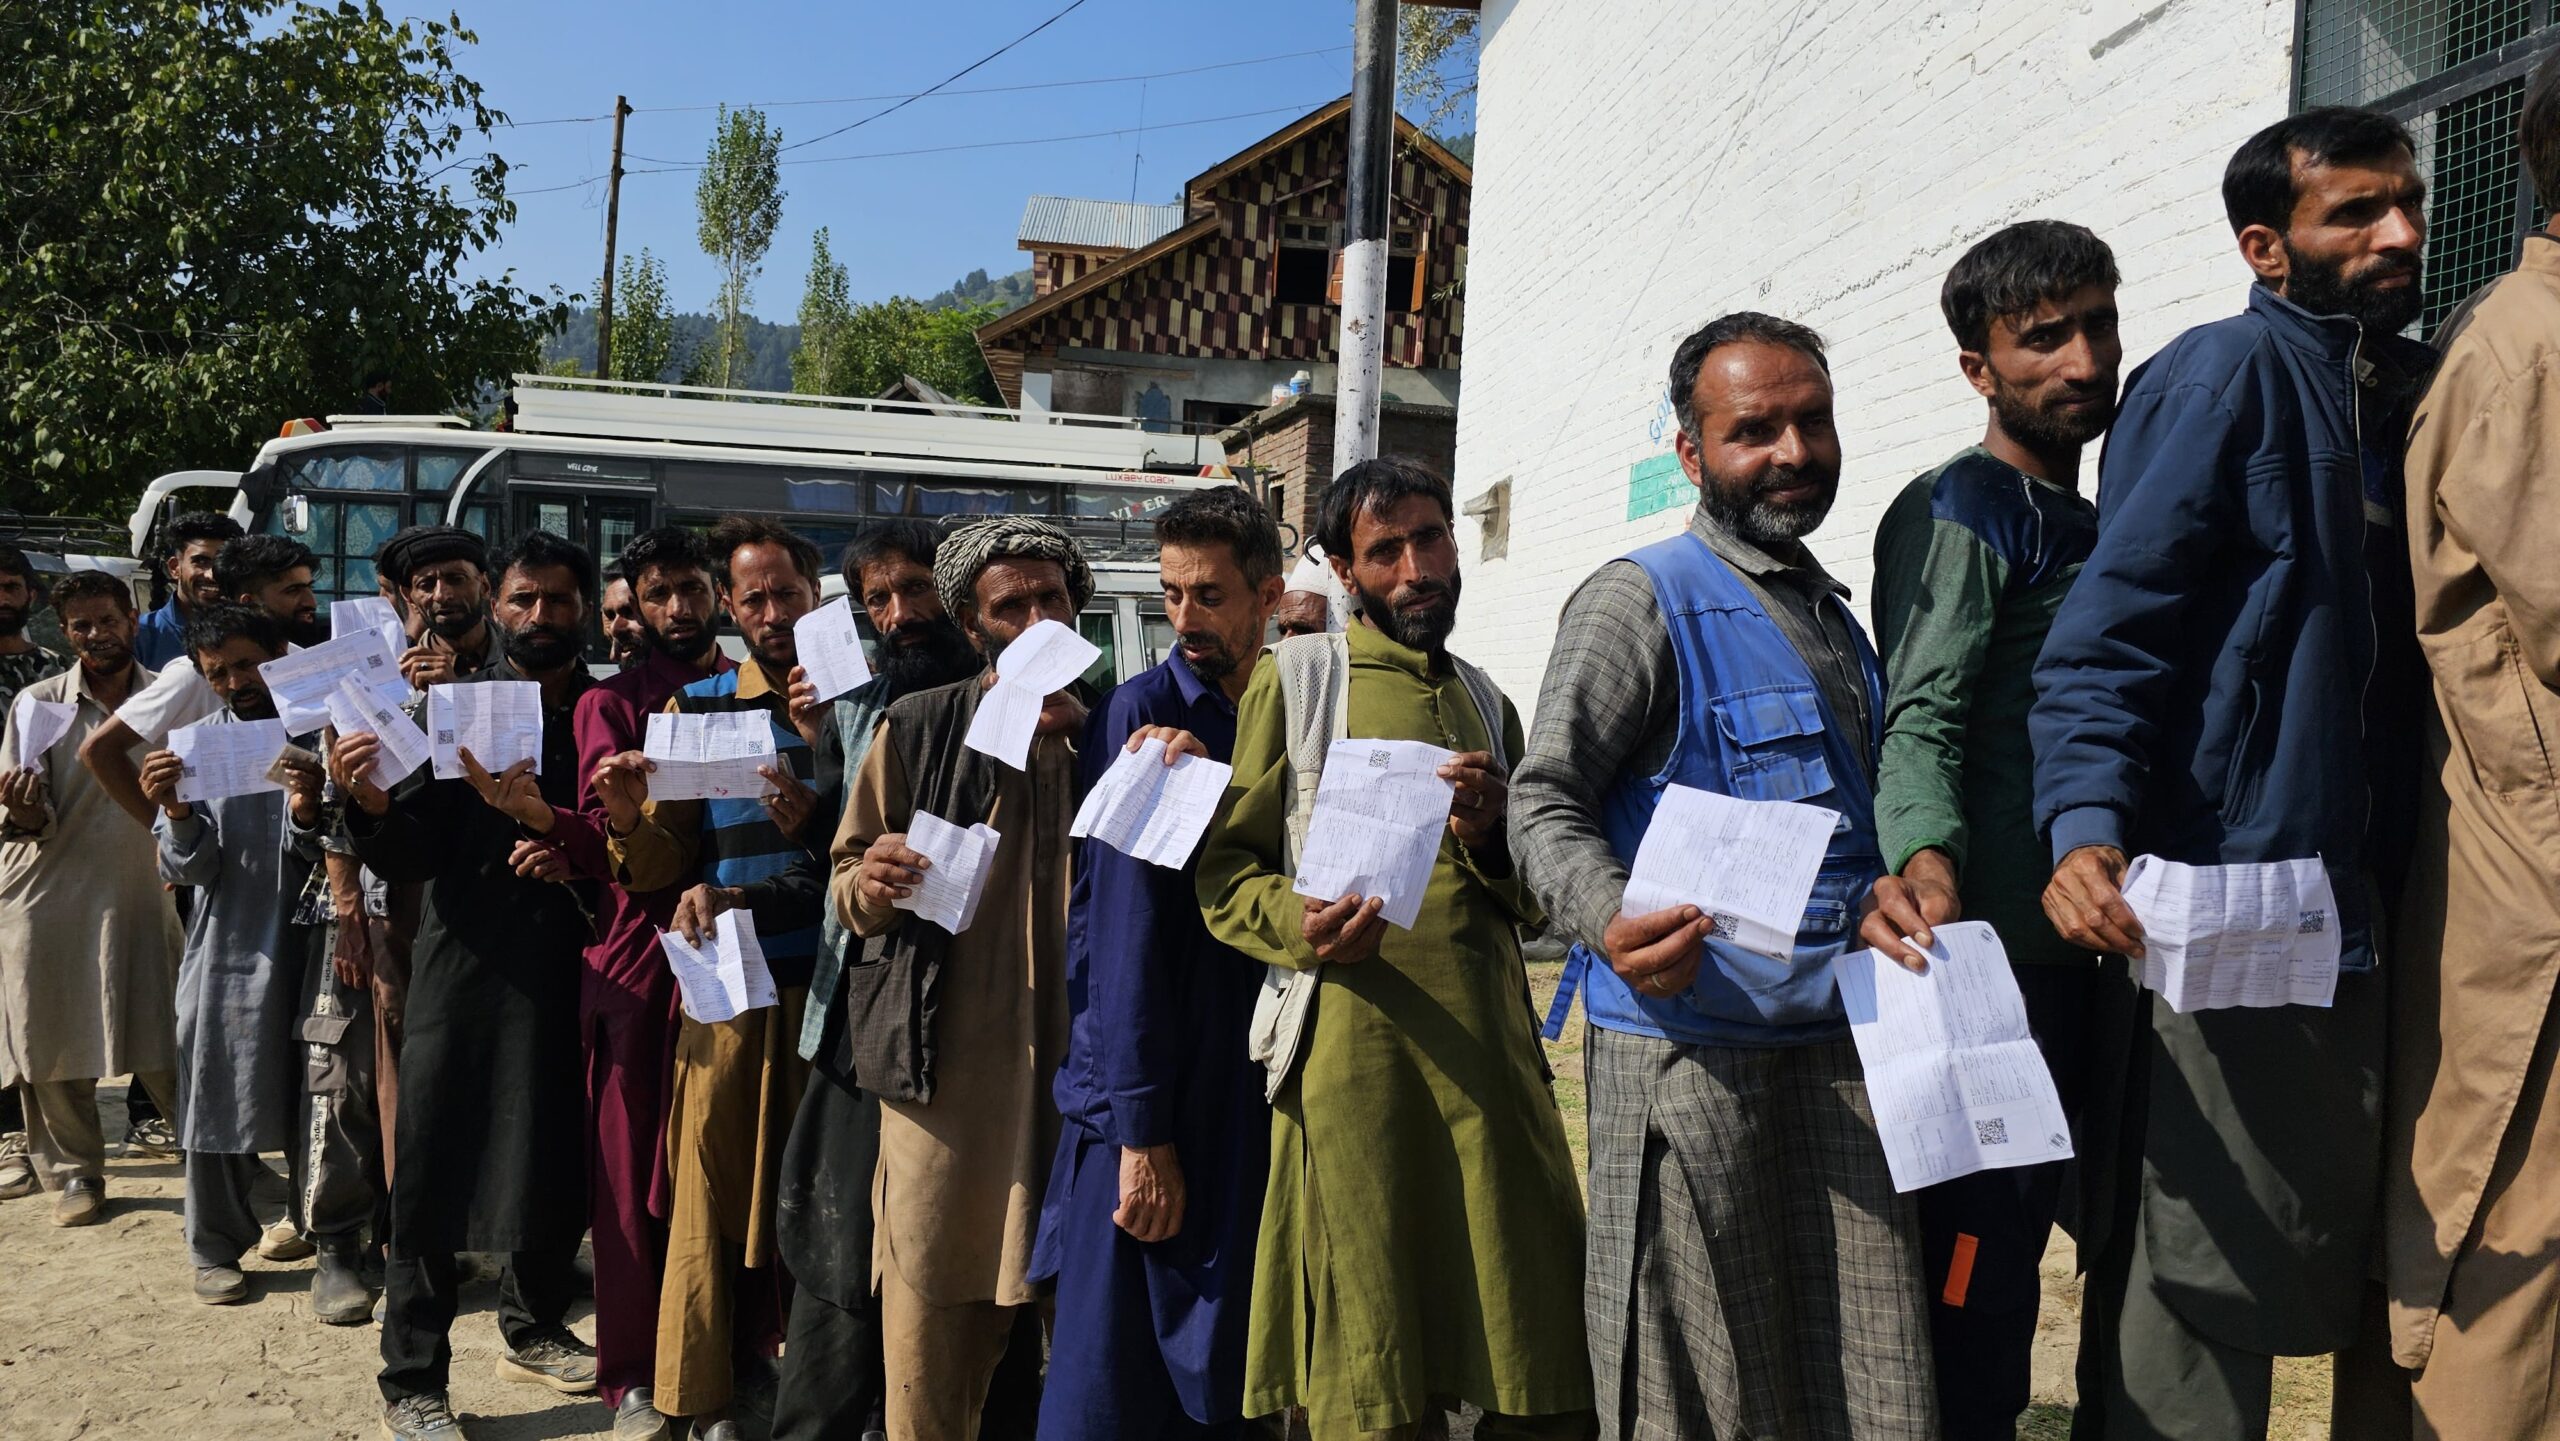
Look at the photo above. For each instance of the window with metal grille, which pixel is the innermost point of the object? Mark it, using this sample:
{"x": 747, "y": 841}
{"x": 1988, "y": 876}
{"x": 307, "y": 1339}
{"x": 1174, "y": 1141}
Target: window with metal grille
{"x": 2454, "y": 71}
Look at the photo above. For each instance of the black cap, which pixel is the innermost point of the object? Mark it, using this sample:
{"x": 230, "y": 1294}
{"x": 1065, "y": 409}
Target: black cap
{"x": 425, "y": 545}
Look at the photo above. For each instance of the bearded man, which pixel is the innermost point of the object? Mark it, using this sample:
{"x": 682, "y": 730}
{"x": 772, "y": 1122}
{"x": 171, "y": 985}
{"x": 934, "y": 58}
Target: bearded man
{"x": 1752, "y": 1270}
{"x": 1972, "y": 561}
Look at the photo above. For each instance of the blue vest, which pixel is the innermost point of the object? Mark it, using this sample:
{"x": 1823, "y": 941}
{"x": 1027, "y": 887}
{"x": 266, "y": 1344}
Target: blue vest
{"x": 1753, "y": 725}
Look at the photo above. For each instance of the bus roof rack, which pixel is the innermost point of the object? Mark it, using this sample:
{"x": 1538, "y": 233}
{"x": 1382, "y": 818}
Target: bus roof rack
{"x": 849, "y": 425}
{"x": 345, "y": 422}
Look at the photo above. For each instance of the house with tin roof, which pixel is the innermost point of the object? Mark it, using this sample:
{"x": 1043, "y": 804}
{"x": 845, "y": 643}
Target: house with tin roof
{"x": 1199, "y": 315}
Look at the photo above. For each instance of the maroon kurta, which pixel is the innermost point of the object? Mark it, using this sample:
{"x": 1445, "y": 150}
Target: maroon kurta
{"x": 627, "y": 1015}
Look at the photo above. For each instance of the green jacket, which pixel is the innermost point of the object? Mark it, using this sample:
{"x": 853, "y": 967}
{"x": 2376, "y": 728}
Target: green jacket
{"x": 1972, "y": 561}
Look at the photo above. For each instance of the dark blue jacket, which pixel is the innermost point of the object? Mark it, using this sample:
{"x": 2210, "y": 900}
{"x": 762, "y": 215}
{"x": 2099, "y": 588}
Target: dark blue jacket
{"x": 2209, "y": 691}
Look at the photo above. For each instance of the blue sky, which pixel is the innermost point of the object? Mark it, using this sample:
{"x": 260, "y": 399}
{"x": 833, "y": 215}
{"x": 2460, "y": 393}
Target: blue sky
{"x": 904, "y": 224}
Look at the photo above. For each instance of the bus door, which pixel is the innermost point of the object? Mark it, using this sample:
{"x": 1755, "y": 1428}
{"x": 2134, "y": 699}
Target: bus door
{"x": 603, "y": 522}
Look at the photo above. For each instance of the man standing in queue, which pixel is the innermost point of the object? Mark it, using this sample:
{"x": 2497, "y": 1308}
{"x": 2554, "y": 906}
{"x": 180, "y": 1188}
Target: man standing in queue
{"x": 1156, "y": 1194}
{"x": 1416, "y": 1248}
{"x": 833, "y": 1384}
{"x": 1972, "y": 561}
{"x": 2234, "y": 678}
{"x": 736, "y": 1083}
{"x": 490, "y": 1050}
{"x": 959, "y": 1036}
{"x": 1752, "y": 1270}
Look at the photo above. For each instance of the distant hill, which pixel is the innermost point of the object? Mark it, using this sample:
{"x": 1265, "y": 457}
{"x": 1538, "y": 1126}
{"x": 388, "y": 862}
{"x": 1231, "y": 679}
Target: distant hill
{"x": 1004, "y": 292}
{"x": 769, "y": 346}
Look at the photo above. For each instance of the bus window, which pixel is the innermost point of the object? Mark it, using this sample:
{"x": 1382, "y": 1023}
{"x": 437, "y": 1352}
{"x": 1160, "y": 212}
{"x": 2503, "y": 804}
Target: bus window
{"x": 1097, "y": 627}
{"x": 439, "y": 469}
{"x": 944, "y": 497}
{"x": 380, "y": 468}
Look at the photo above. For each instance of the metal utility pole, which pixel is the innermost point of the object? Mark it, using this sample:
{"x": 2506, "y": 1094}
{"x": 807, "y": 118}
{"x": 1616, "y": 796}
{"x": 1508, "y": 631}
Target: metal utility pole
{"x": 1361, "y": 351}
{"x": 612, "y": 211}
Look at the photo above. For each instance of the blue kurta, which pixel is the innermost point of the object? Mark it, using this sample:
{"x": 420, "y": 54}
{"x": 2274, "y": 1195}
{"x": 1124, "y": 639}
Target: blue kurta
{"x": 240, "y": 1064}
{"x": 1148, "y": 1334}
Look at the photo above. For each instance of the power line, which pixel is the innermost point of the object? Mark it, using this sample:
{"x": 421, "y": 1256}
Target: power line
{"x": 1299, "y": 109}
{"x": 572, "y": 185}
{"x": 939, "y": 93}
{"x": 1072, "y": 7}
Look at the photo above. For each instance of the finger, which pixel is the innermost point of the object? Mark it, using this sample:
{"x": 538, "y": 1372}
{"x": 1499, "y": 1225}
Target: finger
{"x": 885, "y": 874}
{"x": 518, "y": 770}
{"x": 1184, "y": 743}
{"x": 1900, "y": 910}
{"x": 1658, "y": 925}
{"x": 473, "y": 771}
{"x": 901, "y": 856}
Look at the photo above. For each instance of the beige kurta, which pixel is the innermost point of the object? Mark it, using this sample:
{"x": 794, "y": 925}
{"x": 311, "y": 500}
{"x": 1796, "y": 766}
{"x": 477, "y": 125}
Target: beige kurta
{"x": 89, "y": 940}
{"x": 956, "y": 1201}
{"x": 2474, "y": 1186}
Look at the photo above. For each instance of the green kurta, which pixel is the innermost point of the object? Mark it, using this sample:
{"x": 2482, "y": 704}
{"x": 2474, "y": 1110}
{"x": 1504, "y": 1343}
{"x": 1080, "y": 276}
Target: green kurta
{"x": 1421, "y": 1230}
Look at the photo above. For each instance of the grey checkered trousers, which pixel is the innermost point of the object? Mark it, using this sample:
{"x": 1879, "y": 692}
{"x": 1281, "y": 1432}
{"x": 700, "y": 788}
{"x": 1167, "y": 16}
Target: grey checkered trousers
{"x": 1753, "y": 1273}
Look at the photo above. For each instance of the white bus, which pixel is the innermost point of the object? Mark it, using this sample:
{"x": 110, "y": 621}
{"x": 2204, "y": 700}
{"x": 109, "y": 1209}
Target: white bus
{"x": 600, "y": 461}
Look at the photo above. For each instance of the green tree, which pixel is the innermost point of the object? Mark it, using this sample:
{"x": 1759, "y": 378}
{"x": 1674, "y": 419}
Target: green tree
{"x": 644, "y": 330}
{"x": 217, "y": 213}
{"x": 1436, "y": 66}
{"x": 883, "y": 341}
{"x": 826, "y": 308}
{"x": 739, "y": 197}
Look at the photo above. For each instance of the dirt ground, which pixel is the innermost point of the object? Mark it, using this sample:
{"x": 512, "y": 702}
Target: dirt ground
{"x": 100, "y": 1338}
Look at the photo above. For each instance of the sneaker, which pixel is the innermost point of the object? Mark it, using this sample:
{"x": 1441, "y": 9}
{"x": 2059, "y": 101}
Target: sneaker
{"x": 421, "y": 1418}
{"x": 221, "y": 1285}
{"x": 719, "y": 1431}
{"x": 151, "y": 1137}
{"x": 338, "y": 1294}
{"x": 17, "y": 1172}
{"x": 283, "y": 1243}
{"x": 82, "y": 1203}
{"x": 553, "y": 1358}
{"x": 637, "y": 1418}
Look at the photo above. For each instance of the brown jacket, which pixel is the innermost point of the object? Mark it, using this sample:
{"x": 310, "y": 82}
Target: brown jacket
{"x": 2482, "y": 948}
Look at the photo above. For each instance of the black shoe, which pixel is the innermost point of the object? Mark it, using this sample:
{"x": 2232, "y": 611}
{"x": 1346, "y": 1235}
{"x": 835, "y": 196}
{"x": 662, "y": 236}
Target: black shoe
{"x": 338, "y": 1294}
{"x": 637, "y": 1418}
{"x": 151, "y": 1137}
{"x": 420, "y": 1418}
{"x": 553, "y": 1358}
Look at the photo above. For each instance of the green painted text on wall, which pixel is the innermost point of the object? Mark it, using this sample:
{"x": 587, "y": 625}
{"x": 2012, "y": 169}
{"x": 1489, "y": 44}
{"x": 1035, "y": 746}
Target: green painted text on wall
{"x": 1656, "y": 484}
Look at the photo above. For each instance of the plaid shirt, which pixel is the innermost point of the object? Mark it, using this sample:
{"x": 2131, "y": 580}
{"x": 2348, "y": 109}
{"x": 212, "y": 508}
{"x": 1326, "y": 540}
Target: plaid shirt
{"x": 1610, "y": 707}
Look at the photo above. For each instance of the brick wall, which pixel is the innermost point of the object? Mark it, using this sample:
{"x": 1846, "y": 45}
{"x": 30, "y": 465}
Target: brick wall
{"x": 1294, "y": 448}
{"x": 1647, "y": 164}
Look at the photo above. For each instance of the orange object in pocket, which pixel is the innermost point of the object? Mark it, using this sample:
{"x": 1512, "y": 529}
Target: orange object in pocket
{"x": 1959, "y": 1270}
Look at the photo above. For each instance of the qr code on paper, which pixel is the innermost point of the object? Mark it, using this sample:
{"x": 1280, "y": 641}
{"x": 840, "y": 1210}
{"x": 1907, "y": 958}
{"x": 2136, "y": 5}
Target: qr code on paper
{"x": 1993, "y": 1132}
{"x": 1378, "y": 760}
{"x": 1726, "y": 927}
{"x": 2314, "y": 922}
{"x": 443, "y": 737}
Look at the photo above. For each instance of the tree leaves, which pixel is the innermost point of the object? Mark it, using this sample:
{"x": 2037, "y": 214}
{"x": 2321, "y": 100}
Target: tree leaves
{"x": 739, "y": 197}
{"x": 216, "y": 214}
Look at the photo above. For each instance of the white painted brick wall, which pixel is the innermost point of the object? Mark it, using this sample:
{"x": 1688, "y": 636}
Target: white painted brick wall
{"x": 1644, "y": 165}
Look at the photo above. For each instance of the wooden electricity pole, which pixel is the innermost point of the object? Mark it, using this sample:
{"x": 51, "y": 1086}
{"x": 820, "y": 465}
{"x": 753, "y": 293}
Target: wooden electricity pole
{"x": 612, "y": 210}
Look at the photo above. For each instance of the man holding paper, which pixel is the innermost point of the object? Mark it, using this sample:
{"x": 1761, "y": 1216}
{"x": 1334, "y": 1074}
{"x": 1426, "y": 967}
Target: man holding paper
{"x": 270, "y": 573}
{"x": 247, "y": 850}
{"x": 1419, "y": 1221}
{"x": 1156, "y": 1192}
{"x": 442, "y": 573}
{"x": 88, "y": 939}
{"x": 194, "y": 539}
{"x": 2233, "y": 680}
{"x": 490, "y": 1058}
{"x": 1752, "y": 1270}
{"x": 1972, "y": 561}
{"x": 736, "y": 1081}
{"x": 967, "y": 1122}
{"x": 627, "y": 1007}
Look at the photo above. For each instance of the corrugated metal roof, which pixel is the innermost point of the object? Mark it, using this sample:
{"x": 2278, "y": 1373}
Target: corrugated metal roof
{"x": 1116, "y": 224}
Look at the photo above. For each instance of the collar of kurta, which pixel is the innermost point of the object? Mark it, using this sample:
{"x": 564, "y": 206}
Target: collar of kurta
{"x": 1194, "y": 689}
{"x": 138, "y": 677}
{"x": 1753, "y": 559}
{"x": 753, "y": 683}
{"x": 1370, "y": 643}
{"x": 2541, "y": 253}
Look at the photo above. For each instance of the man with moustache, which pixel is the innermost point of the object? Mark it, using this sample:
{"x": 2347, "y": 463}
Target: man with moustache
{"x": 2234, "y": 678}
{"x": 1972, "y": 561}
{"x": 1156, "y": 1193}
{"x": 1419, "y": 1223}
{"x": 622, "y": 635}
{"x": 736, "y": 1083}
{"x": 1752, "y": 1270}
{"x": 88, "y": 938}
{"x": 195, "y": 538}
{"x": 959, "y": 1035}
{"x": 442, "y": 573}
{"x": 240, "y": 983}
{"x": 268, "y": 573}
{"x": 627, "y": 997}
{"x": 832, "y": 1379}
{"x": 490, "y": 1055}
{"x": 1313, "y": 602}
